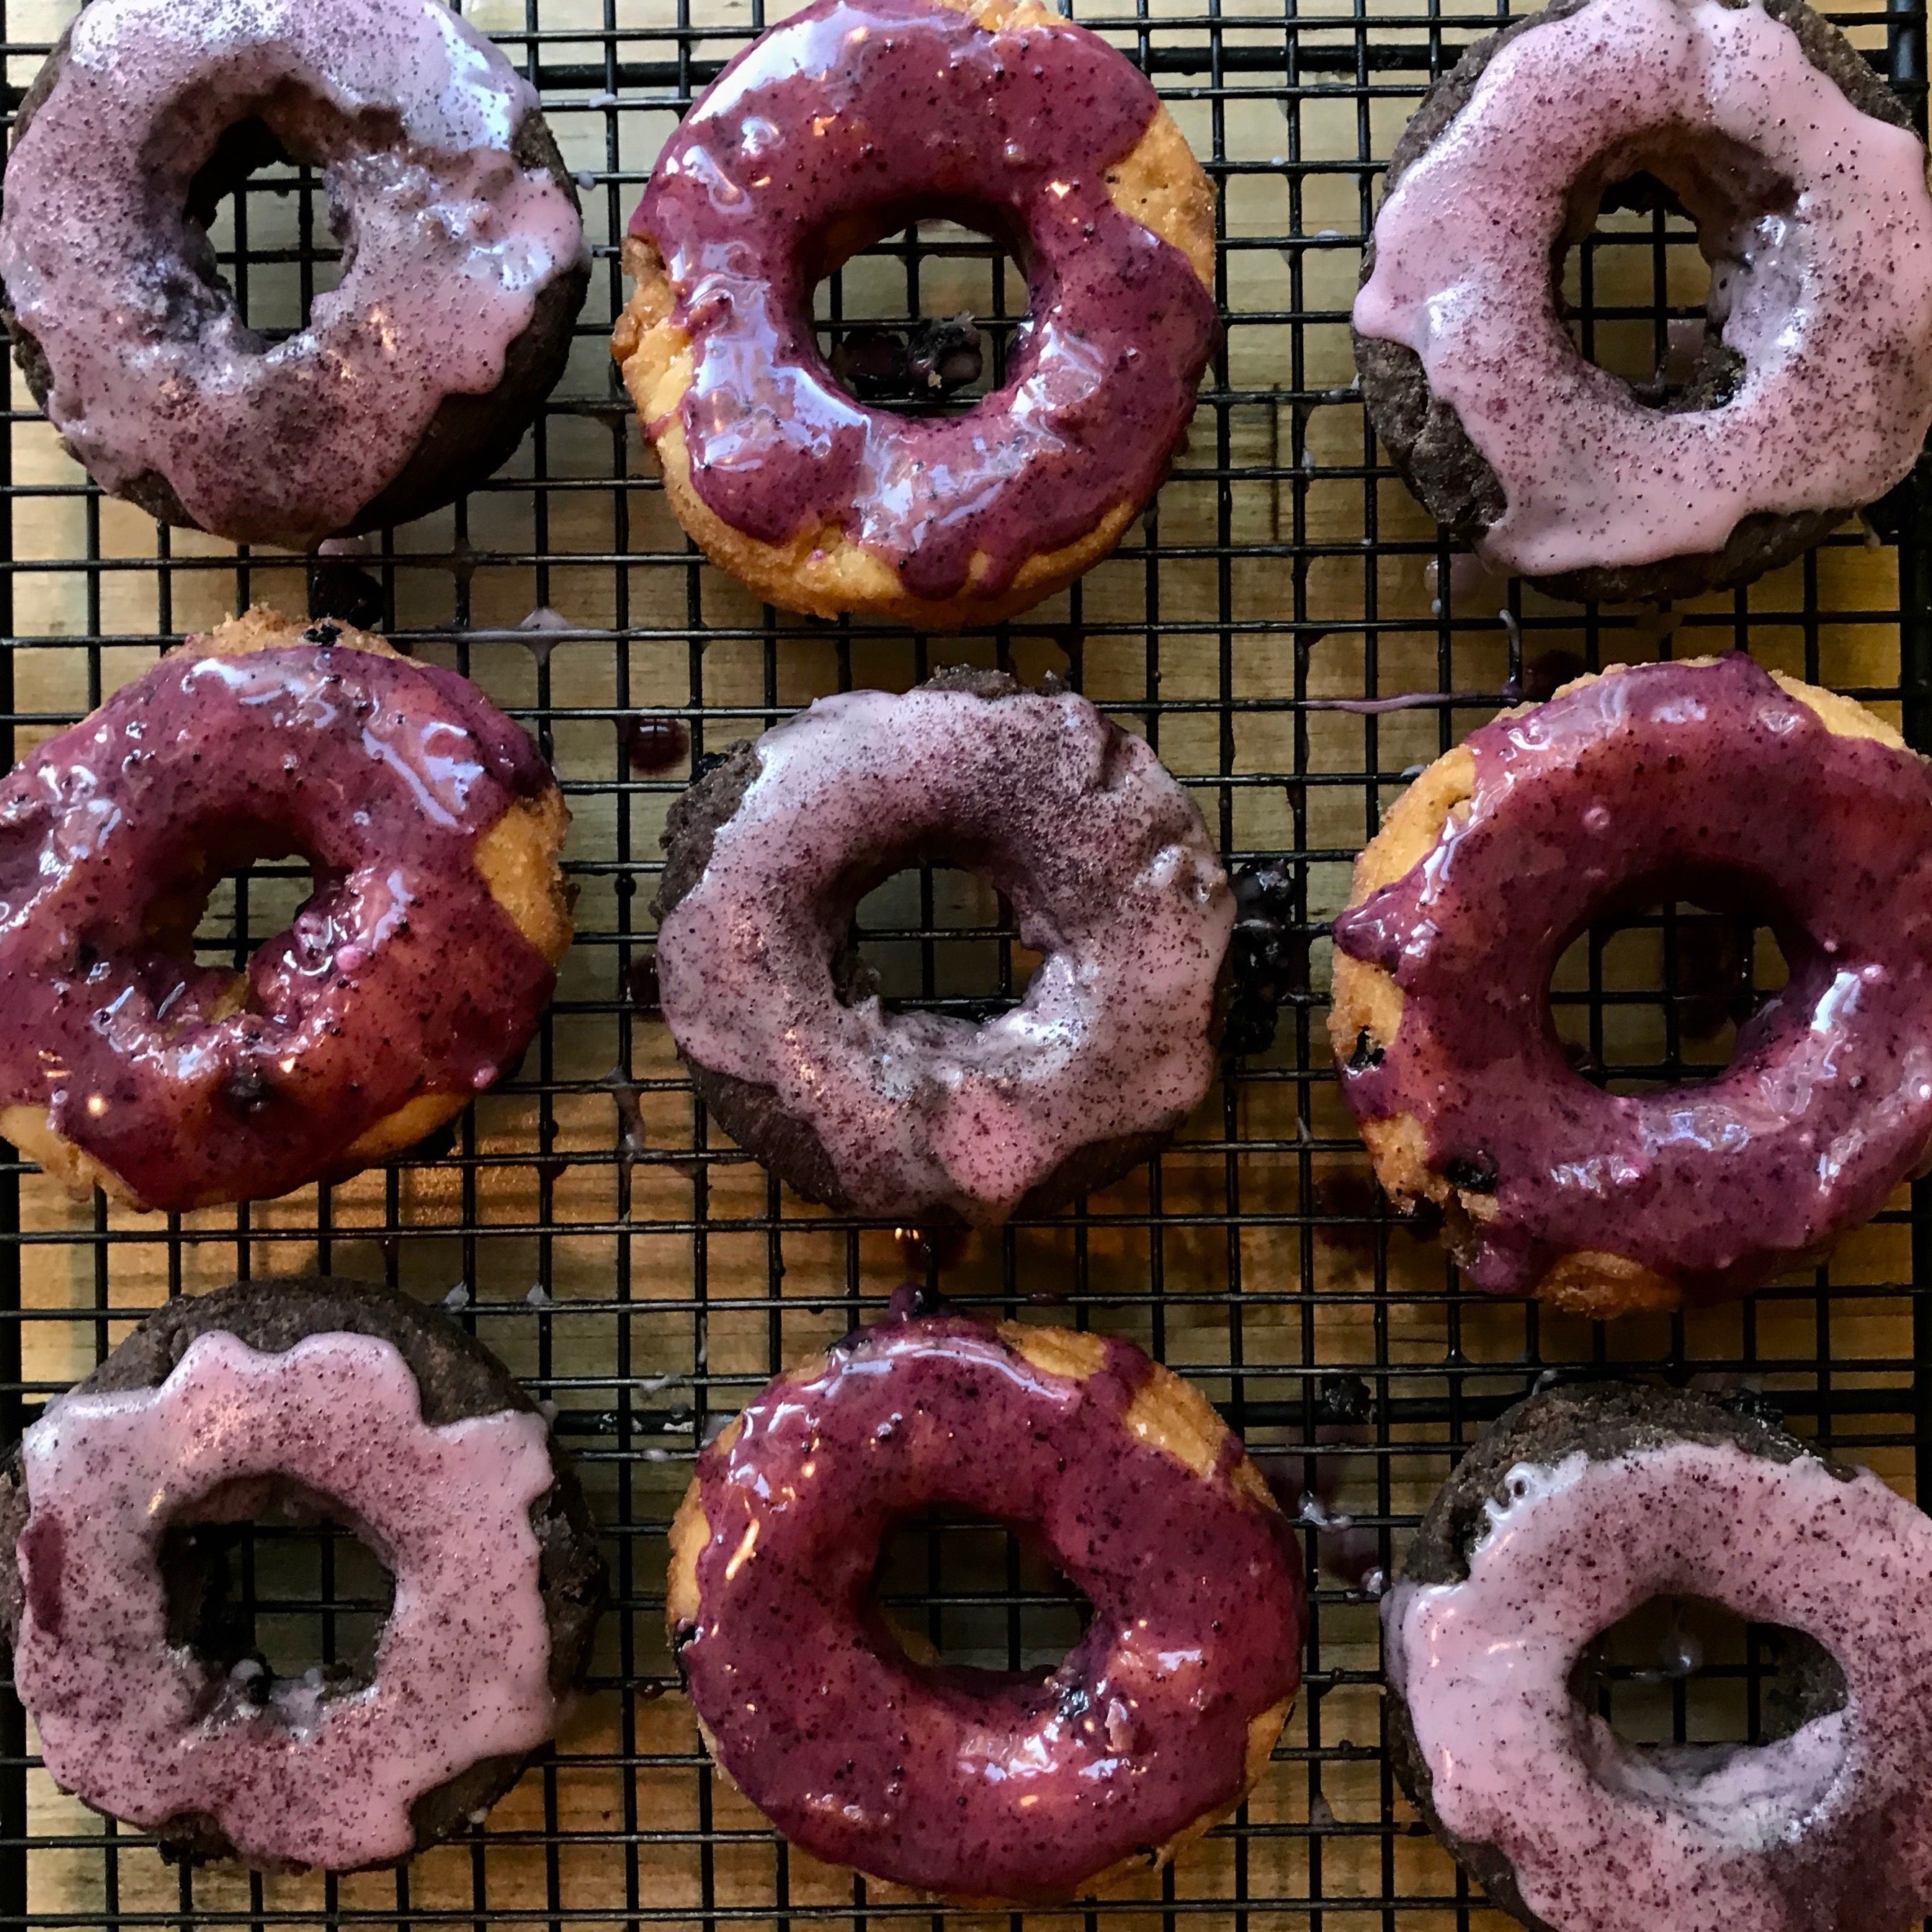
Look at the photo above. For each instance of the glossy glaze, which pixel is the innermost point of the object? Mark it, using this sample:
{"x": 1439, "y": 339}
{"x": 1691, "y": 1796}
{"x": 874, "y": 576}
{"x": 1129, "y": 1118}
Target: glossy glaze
{"x": 1830, "y": 1827}
{"x": 1111, "y": 874}
{"x": 1823, "y": 282}
{"x": 851, "y": 117}
{"x": 400, "y": 974}
{"x": 1706, "y": 781}
{"x": 410, "y": 113}
{"x": 138, "y": 1727}
{"x": 961, "y": 1781}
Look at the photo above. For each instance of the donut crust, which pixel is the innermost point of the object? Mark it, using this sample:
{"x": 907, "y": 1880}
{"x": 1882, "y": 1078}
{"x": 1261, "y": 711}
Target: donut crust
{"x": 1425, "y": 437}
{"x": 458, "y": 1377}
{"x": 518, "y": 857}
{"x": 1366, "y": 1013}
{"x": 1168, "y": 1415}
{"x": 822, "y": 573}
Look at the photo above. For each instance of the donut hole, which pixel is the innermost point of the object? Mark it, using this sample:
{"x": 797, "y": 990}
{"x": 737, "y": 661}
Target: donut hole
{"x": 937, "y": 937}
{"x": 1652, "y": 256}
{"x": 239, "y": 884}
{"x": 1656, "y": 998}
{"x": 922, "y": 321}
{"x": 260, "y": 227}
{"x": 962, "y": 1592}
{"x": 1682, "y": 1673}
{"x": 275, "y": 1592}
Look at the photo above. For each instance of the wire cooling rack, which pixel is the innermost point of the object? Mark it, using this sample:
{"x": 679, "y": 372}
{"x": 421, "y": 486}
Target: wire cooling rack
{"x": 1295, "y": 637}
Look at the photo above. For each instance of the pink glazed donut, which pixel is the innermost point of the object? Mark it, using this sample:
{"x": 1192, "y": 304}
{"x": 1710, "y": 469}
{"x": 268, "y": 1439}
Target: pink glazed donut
{"x": 464, "y": 262}
{"x": 925, "y": 1116}
{"x": 1814, "y": 390}
{"x": 1582, "y": 1505}
{"x": 303, "y": 1399}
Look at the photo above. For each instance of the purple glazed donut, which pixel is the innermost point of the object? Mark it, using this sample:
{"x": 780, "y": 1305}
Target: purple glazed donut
{"x": 464, "y": 259}
{"x": 837, "y": 127}
{"x": 1111, "y": 876}
{"x": 1582, "y": 1506}
{"x": 415, "y": 973}
{"x": 973, "y": 1783}
{"x": 1710, "y": 780}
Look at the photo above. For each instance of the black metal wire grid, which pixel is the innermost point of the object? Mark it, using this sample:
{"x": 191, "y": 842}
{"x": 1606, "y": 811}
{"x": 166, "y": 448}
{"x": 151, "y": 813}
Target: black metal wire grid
{"x": 1295, "y": 638}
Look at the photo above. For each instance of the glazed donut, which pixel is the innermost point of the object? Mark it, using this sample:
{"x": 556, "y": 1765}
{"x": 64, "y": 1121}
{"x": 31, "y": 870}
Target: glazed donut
{"x": 844, "y": 123}
{"x": 328, "y": 1400}
{"x": 1710, "y": 780}
{"x": 412, "y": 977}
{"x": 1581, "y": 1506}
{"x": 464, "y": 259}
{"x": 1813, "y": 395}
{"x": 980, "y": 1784}
{"x": 1111, "y": 875}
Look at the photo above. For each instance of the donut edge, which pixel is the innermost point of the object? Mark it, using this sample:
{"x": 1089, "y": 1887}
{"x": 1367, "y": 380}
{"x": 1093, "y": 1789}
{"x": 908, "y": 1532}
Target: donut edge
{"x": 518, "y": 858}
{"x": 468, "y": 439}
{"x": 458, "y": 1377}
{"x": 1168, "y": 1415}
{"x": 1604, "y": 1419}
{"x": 1425, "y": 438}
{"x": 1366, "y": 1010}
{"x": 787, "y": 1144}
{"x": 822, "y": 573}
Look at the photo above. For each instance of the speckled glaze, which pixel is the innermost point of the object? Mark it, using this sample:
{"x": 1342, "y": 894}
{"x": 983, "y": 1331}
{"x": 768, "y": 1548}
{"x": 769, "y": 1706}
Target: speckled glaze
{"x": 400, "y": 974}
{"x": 1111, "y": 875}
{"x": 411, "y": 114}
{"x": 137, "y": 1727}
{"x": 1823, "y": 282}
{"x": 1705, "y": 781}
{"x": 953, "y": 1780}
{"x": 850, "y": 117}
{"x": 1824, "y": 1830}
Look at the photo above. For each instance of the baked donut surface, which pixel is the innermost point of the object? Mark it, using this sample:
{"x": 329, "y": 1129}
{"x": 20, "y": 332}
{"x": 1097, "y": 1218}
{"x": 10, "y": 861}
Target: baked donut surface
{"x": 1709, "y": 779}
{"x": 835, "y": 128}
{"x": 413, "y": 975}
{"x": 1814, "y": 391}
{"x": 1580, "y": 1506}
{"x": 969, "y": 1783}
{"x": 1111, "y": 875}
{"x": 417, "y": 375}
{"x": 320, "y": 1399}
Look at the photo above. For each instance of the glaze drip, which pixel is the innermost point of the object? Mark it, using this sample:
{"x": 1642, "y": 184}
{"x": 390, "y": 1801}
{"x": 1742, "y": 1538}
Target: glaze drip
{"x": 1824, "y": 287}
{"x": 1625, "y": 791}
{"x": 134, "y": 1725}
{"x": 1830, "y": 1827}
{"x": 966, "y": 1781}
{"x": 851, "y": 119}
{"x": 1111, "y": 875}
{"x": 400, "y": 974}
{"x": 412, "y": 116}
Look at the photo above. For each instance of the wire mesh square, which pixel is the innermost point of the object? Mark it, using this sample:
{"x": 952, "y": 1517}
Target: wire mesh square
{"x": 1296, "y": 638}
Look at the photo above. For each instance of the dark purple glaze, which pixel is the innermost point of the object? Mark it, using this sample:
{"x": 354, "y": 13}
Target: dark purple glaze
{"x": 1707, "y": 782}
{"x": 400, "y": 975}
{"x": 962, "y": 1781}
{"x": 859, "y": 115}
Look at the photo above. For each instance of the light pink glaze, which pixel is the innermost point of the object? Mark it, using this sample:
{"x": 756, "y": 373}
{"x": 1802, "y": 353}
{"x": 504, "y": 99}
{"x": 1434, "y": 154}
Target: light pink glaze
{"x": 1606, "y": 1838}
{"x": 448, "y": 241}
{"x": 1111, "y": 874}
{"x": 135, "y": 1726}
{"x": 1829, "y": 301}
